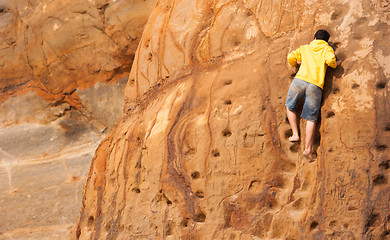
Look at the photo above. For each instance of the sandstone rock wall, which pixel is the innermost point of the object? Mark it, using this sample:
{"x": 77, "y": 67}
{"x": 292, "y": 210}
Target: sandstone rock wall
{"x": 63, "y": 69}
{"x": 55, "y": 47}
{"x": 201, "y": 149}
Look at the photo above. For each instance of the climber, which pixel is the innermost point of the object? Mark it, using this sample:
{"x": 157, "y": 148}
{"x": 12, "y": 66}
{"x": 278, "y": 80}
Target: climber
{"x": 308, "y": 83}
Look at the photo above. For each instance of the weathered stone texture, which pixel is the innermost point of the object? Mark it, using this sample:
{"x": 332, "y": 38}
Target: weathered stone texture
{"x": 54, "y": 47}
{"x": 63, "y": 69}
{"x": 201, "y": 149}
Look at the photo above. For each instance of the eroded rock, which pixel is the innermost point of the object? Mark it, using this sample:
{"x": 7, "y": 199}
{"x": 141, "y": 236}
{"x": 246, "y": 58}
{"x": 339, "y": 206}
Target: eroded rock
{"x": 201, "y": 149}
{"x": 63, "y": 69}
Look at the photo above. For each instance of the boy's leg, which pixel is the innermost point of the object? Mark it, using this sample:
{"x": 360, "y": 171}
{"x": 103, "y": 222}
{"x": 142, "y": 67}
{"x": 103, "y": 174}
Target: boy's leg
{"x": 310, "y": 131}
{"x": 292, "y": 118}
{"x": 295, "y": 93}
{"x": 310, "y": 112}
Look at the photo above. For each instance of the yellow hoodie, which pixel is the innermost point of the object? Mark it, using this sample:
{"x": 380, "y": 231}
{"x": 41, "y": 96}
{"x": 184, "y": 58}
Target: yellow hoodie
{"x": 314, "y": 58}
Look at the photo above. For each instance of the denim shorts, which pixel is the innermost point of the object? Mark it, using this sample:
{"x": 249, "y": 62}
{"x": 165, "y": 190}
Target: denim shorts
{"x": 313, "y": 97}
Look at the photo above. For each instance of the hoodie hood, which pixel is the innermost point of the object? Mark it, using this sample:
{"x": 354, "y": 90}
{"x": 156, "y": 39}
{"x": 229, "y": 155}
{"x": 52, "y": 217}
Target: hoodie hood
{"x": 318, "y": 45}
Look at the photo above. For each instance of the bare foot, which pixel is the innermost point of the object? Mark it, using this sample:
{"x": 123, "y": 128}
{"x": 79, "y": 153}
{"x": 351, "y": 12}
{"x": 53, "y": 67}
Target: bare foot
{"x": 309, "y": 155}
{"x": 294, "y": 138}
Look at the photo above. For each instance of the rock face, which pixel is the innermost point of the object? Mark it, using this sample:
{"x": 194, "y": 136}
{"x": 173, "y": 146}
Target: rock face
{"x": 63, "y": 69}
{"x": 55, "y": 47}
{"x": 201, "y": 149}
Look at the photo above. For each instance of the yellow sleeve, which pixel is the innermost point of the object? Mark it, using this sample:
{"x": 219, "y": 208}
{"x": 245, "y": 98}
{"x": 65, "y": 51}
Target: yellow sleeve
{"x": 294, "y": 57}
{"x": 330, "y": 58}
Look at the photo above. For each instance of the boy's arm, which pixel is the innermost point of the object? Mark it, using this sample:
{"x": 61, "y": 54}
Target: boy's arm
{"x": 294, "y": 57}
{"x": 330, "y": 58}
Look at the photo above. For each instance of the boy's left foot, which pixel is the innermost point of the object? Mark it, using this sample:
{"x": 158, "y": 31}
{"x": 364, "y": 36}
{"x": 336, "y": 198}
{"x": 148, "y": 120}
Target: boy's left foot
{"x": 309, "y": 155}
{"x": 294, "y": 138}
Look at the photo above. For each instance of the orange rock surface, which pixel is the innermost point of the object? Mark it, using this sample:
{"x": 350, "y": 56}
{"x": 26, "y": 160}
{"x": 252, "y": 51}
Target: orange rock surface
{"x": 63, "y": 69}
{"x": 56, "y": 47}
{"x": 201, "y": 149}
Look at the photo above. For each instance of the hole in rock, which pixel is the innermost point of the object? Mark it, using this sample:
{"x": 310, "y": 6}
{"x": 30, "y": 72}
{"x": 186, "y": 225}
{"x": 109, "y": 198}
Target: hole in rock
{"x": 195, "y": 175}
{"x": 385, "y": 164}
{"x": 294, "y": 148}
{"x": 288, "y": 133}
{"x": 330, "y": 150}
{"x": 200, "y": 217}
{"x": 226, "y": 133}
{"x": 381, "y": 147}
{"x": 199, "y": 194}
{"x": 345, "y": 225}
{"x": 335, "y": 90}
{"x": 330, "y": 114}
{"x": 313, "y": 225}
{"x": 91, "y": 219}
{"x": 381, "y": 85}
{"x": 379, "y": 179}
{"x": 387, "y": 128}
{"x": 228, "y": 102}
{"x": 137, "y": 190}
{"x": 237, "y": 43}
{"x": 355, "y": 85}
{"x": 253, "y": 182}
{"x": 215, "y": 153}
{"x": 228, "y": 82}
{"x": 370, "y": 221}
{"x": 245, "y": 136}
{"x": 184, "y": 222}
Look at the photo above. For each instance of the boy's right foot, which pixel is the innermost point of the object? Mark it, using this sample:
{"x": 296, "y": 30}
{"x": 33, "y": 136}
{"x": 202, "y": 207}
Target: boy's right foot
{"x": 309, "y": 155}
{"x": 294, "y": 138}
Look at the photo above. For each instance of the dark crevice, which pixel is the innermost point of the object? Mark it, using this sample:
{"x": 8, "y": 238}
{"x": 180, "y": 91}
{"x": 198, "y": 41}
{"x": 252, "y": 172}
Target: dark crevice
{"x": 91, "y": 220}
{"x": 379, "y": 180}
{"x": 355, "y": 85}
{"x": 385, "y": 164}
{"x": 381, "y": 147}
{"x": 226, "y": 133}
{"x": 313, "y": 225}
{"x": 195, "y": 175}
{"x": 381, "y": 85}
{"x": 330, "y": 114}
{"x": 228, "y": 82}
{"x": 215, "y": 153}
{"x": 200, "y": 217}
{"x": 371, "y": 219}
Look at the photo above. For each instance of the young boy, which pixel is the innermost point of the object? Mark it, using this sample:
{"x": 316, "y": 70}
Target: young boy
{"x": 308, "y": 83}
